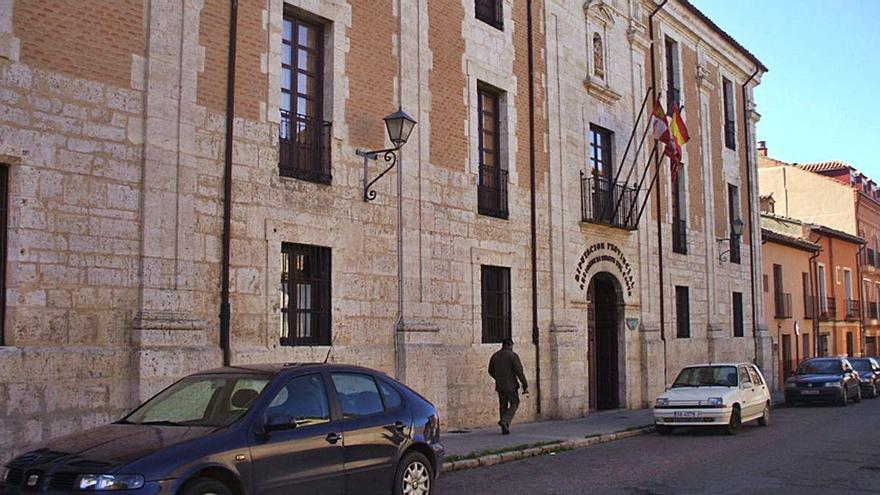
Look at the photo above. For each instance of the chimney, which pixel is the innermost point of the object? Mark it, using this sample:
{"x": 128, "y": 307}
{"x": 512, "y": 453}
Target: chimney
{"x": 762, "y": 148}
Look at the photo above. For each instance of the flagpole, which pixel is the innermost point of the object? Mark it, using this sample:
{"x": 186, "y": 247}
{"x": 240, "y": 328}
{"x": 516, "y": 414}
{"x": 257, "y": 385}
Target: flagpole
{"x": 639, "y": 188}
{"x": 626, "y": 151}
{"x": 629, "y": 174}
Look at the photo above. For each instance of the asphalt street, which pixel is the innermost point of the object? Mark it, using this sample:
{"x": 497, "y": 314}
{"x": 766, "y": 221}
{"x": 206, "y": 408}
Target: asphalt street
{"x": 805, "y": 450}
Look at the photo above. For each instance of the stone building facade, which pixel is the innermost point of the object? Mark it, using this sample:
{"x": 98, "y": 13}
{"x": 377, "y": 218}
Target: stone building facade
{"x": 113, "y": 130}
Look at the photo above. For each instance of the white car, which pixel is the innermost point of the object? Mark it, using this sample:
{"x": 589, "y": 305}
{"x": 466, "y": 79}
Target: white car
{"x": 727, "y": 395}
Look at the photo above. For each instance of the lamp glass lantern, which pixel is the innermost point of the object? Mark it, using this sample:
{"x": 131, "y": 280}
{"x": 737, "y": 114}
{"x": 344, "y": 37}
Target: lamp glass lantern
{"x": 399, "y": 126}
{"x": 738, "y": 227}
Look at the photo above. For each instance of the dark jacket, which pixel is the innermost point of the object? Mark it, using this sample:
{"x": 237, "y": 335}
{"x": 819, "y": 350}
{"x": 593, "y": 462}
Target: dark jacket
{"x": 505, "y": 367}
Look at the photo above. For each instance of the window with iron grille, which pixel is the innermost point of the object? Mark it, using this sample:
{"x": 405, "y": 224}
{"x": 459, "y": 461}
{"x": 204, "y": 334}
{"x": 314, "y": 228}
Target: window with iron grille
{"x": 682, "y": 312}
{"x": 679, "y": 224}
{"x": 732, "y": 216}
{"x": 492, "y": 187}
{"x": 304, "y": 136}
{"x": 729, "y": 114}
{"x": 490, "y": 12}
{"x": 738, "y": 329}
{"x": 305, "y": 295}
{"x": 4, "y": 213}
{"x": 673, "y": 92}
{"x": 495, "y": 287}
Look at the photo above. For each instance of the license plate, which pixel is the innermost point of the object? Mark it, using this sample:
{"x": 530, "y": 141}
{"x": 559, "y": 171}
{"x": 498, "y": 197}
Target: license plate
{"x": 809, "y": 392}
{"x": 688, "y": 414}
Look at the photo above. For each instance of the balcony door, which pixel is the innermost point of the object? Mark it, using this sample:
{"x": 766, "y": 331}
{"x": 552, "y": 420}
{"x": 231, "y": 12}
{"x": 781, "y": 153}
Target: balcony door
{"x": 602, "y": 173}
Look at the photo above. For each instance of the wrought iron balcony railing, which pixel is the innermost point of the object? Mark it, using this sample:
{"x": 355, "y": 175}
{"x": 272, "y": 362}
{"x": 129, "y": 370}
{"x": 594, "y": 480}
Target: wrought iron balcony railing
{"x": 783, "y": 305}
{"x": 679, "y": 236}
{"x": 305, "y": 148}
{"x": 829, "y": 312}
{"x": 853, "y": 310}
{"x": 492, "y": 192}
{"x": 607, "y": 203}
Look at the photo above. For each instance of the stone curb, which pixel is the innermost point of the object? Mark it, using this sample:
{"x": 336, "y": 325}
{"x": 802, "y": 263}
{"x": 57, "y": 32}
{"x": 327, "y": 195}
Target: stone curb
{"x": 514, "y": 455}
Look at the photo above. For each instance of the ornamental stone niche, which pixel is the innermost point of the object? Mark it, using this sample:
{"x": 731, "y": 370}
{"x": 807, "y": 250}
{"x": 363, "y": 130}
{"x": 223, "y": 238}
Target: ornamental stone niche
{"x": 599, "y": 20}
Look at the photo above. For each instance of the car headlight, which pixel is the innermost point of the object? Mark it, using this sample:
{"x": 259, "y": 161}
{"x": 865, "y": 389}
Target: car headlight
{"x": 715, "y": 402}
{"x": 110, "y": 482}
{"x": 833, "y": 384}
{"x": 662, "y": 401}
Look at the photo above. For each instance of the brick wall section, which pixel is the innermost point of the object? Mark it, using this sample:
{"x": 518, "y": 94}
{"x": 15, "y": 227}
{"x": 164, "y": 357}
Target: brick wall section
{"x": 67, "y": 36}
{"x": 448, "y": 112}
{"x": 694, "y": 201}
{"x": 372, "y": 66}
{"x": 214, "y": 37}
{"x": 250, "y": 80}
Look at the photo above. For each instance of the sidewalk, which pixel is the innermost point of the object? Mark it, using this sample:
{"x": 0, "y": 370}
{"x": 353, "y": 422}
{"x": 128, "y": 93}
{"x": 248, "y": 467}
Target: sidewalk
{"x": 485, "y": 446}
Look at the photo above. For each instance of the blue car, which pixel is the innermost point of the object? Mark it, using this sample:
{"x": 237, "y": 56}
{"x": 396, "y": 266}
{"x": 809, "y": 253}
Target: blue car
{"x": 825, "y": 379}
{"x": 263, "y": 429}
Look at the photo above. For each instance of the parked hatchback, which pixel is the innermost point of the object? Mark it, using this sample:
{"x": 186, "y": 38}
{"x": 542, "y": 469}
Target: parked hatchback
{"x": 269, "y": 429}
{"x": 724, "y": 395}
{"x": 830, "y": 379}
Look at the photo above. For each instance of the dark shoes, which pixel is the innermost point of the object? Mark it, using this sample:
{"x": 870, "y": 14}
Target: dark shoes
{"x": 505, "y": 429}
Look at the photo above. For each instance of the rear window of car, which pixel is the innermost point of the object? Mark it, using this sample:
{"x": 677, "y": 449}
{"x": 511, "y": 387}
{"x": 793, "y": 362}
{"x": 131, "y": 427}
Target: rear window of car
{"x": 358, "y": 394}
{"x": 862, "y": 364}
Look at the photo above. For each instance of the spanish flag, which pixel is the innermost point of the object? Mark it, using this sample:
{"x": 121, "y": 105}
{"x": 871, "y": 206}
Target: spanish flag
{"x": 678, "y": 137}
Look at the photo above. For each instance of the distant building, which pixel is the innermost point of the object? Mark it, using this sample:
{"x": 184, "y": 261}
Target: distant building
{"x": 842, "y": 209}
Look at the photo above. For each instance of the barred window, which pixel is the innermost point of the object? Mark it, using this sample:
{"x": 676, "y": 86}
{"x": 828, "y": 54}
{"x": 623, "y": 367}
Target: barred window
{"x": 305, "y": 295}
{"x": 496, "y": 303}
{"x": 492, "y": 186}
{"x": 738, "y": 327}
{"x": 682, "y": 312}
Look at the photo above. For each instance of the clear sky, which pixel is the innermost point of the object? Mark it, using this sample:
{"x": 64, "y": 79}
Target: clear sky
{"x": 821, "y": 99}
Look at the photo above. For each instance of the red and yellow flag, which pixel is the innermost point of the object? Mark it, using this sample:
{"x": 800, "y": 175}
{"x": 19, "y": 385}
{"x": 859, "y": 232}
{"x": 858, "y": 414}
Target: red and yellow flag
{"x": 678, "y": 134}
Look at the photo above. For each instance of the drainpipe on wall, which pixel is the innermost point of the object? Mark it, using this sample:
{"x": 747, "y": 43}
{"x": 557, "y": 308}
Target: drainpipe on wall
{"x": 814, "y": 293}
{"x": 659, "y": 217}
{"x": 745, "y": 100}
{"x": 532, "y": 185}
{"x": 863, "y": 304}
{"x": 225, "y": 312}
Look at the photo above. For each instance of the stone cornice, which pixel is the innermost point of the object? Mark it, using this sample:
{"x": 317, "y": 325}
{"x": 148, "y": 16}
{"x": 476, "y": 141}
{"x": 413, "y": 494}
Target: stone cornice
{"x": 601, "y": 90}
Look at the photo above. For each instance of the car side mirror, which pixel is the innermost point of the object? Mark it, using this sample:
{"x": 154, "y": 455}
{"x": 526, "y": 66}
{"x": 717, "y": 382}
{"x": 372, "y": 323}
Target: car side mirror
{"x": 279, "y": 422}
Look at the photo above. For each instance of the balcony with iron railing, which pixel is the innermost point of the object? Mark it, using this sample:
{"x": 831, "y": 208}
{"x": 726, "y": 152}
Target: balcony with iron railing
{"x": 853, "y": 310}
{"x": 783, "y": 305}
{"x": 607, "y": 203}
{"x": 829, "y": 311}
{"x": 809, "y": 307}
{"x": 492, "y": 192}
{"x": 304, "y": 148}
{"x": 679, "y": 236}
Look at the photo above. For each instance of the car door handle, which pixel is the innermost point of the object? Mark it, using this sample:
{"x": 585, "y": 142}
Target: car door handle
{"x": 333, "y": 438}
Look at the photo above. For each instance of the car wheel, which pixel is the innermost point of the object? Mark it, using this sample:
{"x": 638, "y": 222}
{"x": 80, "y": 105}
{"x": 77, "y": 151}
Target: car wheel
{"x": 735, "y": 423}
{"x": 764, "y": 420}
{"x": 206, "y": 486}
{"x": 664, "y": 430}
{"x": 858, "y": 397}
{"x": 414, "y": 475}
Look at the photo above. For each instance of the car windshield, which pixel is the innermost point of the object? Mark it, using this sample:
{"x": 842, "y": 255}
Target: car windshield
{"x": 820, "y": 367}
{"x": 202, "y": 400}
{"x": 862, "y": 365}
{"x": 707, "y": 376}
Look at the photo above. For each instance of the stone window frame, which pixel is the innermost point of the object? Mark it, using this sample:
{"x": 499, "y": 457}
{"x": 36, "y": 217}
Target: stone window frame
{"x": 324, "y": 325}
{"x": 337, "y": 20}
{"x": 480, "y": 257}
{"x": 478, "y": 74}
{"x": 726, "y": 73}
{"x": 598, "y": 18}
{"x": 507, "y": 318}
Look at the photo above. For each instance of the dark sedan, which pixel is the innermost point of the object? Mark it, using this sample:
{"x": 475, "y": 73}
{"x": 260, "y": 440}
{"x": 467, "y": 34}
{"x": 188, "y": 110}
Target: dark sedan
{"x": 823, "y": 379}
{"x": 869, "y": 375}
{"x": 269, "y": 429}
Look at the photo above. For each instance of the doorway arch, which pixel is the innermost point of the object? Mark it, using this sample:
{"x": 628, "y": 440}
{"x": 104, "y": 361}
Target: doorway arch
{"x": 604, "y": 341}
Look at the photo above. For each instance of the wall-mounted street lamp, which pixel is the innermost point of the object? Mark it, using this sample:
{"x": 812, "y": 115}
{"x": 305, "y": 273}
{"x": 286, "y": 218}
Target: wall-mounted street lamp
{"x": 737, "y": 232}
{"x": 399, "y": 126}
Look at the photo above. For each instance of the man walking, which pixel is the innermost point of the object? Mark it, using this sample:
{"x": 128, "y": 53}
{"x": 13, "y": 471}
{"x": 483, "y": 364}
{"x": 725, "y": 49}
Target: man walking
{"x": 506, "y": 368}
